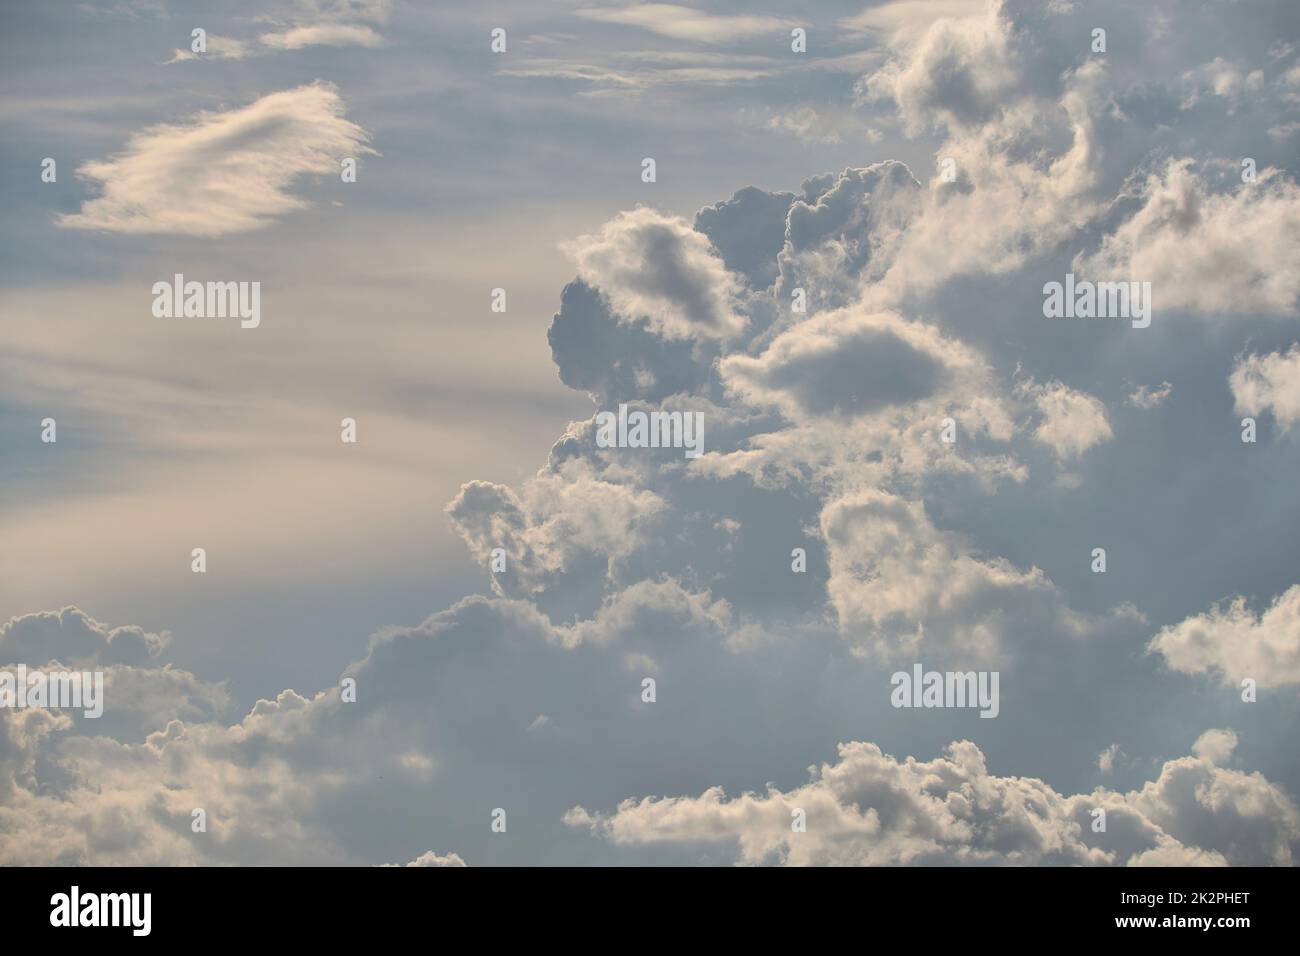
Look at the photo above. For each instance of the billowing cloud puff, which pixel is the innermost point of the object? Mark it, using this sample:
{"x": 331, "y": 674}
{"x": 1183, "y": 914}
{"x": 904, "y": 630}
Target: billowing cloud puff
{"x": 748, "y": 230}
{"x": 869, "y": 808}
{"x": 429, "y": 858}
{"x": 901, "y": 586}
{"x": 1234, "y": 642}
{"x": 960, "y": 71}
{"x": 844, "y": 230}
{"x": 848, "y": 363}
{"x": 1268, "y": 383}
{"x": 619, "y": 360}
{"x": 73, "y": 638}
{"x": 565, "y": 520}
{"x": 223, "y": 172}
{"x": 1070, "y": 421}
{"x": 656, "y": 266}
{"x": 1209, "y": 252}
{"x": 299, "y": 777}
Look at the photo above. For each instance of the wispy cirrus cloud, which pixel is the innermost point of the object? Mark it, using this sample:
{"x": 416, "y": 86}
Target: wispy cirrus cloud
{"x": 686, "y": 23}
{"x": 323, "y": 34}
{"x": 305, "y": 24}
{"x": 222, "y": 172}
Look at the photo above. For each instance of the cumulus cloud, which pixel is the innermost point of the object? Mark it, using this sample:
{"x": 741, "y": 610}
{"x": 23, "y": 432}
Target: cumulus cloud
{"x": 1233, "y": 642}
{"x": 620, "y": 360}
{"x": 299, "y": 777}
{"x": 1207, "y": 251}
{"x": 1268, "y": 383}
{"x": 848, "y": 363}
{"x": 900, "y": 586}
{"x": 845, "y": 230}
{"x": 565, "y": 520}
{"x": 74, "y": 638}
{"x": 429, "y": 858}
{"x": 748, "y": 231}
{"x": 656, "y": 266}
{"x": 823, "y": 435}
{"x": 222, "y": 172}
{"x": 870, "y": 808}
{"x": 958, "y": 72}
{"x": 1070, "y": 421}
{"x": 1216, "y": 746}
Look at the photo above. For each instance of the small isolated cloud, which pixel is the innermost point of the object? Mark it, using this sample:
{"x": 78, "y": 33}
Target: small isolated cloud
{"x": 1268, "y": 383}
{"x": 303, "y": 24}
{"x": 1147, "y": 397}
{"x": 429, "y": 858}
{"x": 685, "y": 23}
{"x": 218, "y": 48}
{"x": 222, "y": 172}
{"x": 323, "y": 34}
{"x": 1071, "y": 421}
{"x": 656, "y": 266}
{"x": 1106, "y": 759}
{"x": 1235, "y": 643}
{"x": 1216, "y": 746}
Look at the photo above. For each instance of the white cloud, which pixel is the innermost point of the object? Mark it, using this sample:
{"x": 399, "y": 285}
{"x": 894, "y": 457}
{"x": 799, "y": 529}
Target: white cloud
{"x": 868, "y": 808}
{"x": 1106, "y": 759}
{"x": 900, "y": 586}
{"x": 1268, "y": 383}
{"x": 686, "y": 23}
{"x": 323, "y": 34}
{"x": 960, "y": 72}
{"x": 1147, "y": 397}
{"x": 223, "y": 172}
{"x": 429, "y": 858}
{"x": 73, "y": 637}
{"x": 1071, "y": 421}
{"x": 1234, "y": 643}
{"x": 656, "y": 266}
{"x": 218, "y": 48}
{"x": 557, "y": 520}
{"x": 850, "y": 362}
{"x": 1216, "y": 746}
{"x": 1208, "y": 252}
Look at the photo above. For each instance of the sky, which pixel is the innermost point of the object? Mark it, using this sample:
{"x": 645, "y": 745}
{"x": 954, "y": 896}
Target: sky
{"x": 839, "y": 262}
